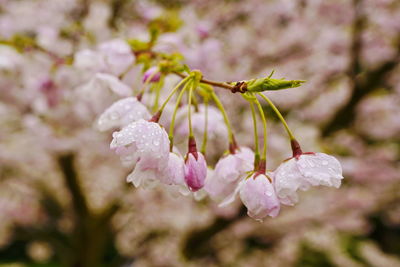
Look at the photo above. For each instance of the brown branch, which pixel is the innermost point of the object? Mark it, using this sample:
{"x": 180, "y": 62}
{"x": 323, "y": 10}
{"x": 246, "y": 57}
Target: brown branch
{"x": 213, "y": 83}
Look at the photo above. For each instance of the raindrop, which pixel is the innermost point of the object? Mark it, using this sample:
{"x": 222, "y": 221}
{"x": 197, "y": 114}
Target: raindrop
{"x": 268, "y": 193}
{"x": 156, "y": 142}
{"x": 114, "y": 115}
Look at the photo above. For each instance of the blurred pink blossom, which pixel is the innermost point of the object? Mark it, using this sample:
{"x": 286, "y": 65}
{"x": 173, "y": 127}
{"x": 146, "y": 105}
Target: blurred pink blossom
{"x": 121, "y": 113}
{"x": 152, "y": 72}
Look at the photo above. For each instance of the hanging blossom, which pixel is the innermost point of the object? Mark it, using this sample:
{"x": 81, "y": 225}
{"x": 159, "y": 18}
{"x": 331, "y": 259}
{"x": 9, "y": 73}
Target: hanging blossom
{"x": 304, "y": 170}
{"x": 258, "y": 195}
{"x": 174, "y": 175}
{"x": 229, "y": 171}
{"x": 195, "y": 167}
{"x": 145, "y": 145}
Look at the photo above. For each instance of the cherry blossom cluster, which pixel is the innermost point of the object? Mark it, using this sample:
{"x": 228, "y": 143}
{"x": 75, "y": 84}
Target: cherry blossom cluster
{"x": 143, "y": 143}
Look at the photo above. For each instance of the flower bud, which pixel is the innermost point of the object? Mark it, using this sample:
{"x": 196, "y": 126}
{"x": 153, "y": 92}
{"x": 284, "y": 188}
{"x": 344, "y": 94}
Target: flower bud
{"x": 269, "y": 84}
{"x": 154, "y": 73}
{"x": 195, "y": 171}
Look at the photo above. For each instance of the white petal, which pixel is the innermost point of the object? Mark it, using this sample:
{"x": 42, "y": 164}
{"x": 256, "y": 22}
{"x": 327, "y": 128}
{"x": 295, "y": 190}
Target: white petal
{"x": 287, "y": 181}
{"x": 230, "y": 198}
{"x": 259, "y": 196}
{"x": 320, "y": 169}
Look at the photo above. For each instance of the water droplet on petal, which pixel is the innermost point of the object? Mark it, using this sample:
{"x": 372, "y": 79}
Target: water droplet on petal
{"x": 114, "y": 115}
{"x": 325, "y": 162}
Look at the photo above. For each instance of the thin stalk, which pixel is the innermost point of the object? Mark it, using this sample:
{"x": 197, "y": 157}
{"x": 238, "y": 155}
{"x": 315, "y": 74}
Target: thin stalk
{"x": 204, "y": 144}
{"x": 171, "y": 126}
{"x": 225, "y": 116}
{"x": 289, "y": 132}
{"x": 190, "y": 110}
{"x": 264, "y": 121}
{"x": 158, "y": 91}
{"x": 146, "y": 82}
{"x": 176, "y": 88}
{"x": 256, "y": 149}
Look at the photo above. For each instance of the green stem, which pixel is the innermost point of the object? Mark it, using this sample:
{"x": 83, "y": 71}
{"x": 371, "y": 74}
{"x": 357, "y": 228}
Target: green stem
{"x": 225, "y": 116}
{"x": 172, "y": 93}
{"x": 158, "y": 91}
{"x": 289, "y": 132}
{"x": 264, "y": 121}
{"x": 171, "y": 126}
{"x": 204, "y": 144}
{"x": 190, "y": 110}
{"x": 256, "y": 149}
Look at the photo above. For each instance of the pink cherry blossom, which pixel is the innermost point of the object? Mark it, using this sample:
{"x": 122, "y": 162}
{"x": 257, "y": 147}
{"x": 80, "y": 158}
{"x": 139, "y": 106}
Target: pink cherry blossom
{"x": 153, "y": 71}
{"x": 121, "y": 113}
{"x": 228, "y": 173}
{"x": 195, "y": 171}
{"x": 310, "y": 169}
{"x": 174, "y": 174}
{"x": 144, "y": 144}
{"x": 258, "y": 195}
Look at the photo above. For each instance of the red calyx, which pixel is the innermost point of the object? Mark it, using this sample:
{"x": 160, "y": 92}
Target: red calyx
{"x": 192, "y": 148}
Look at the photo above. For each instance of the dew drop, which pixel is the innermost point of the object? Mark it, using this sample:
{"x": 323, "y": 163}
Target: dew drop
{"x": 156, "y": 142}
{"x": 324, "y": 162}
{"x": 114, "y": 115}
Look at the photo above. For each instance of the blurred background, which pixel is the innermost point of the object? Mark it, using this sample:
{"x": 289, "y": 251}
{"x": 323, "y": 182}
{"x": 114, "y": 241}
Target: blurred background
{"x": 64, "y": 200}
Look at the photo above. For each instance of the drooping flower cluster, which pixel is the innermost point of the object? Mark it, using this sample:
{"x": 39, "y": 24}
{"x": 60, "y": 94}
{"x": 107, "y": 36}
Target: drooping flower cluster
{"x": 143, "y": 144}
{"x": 263, "y": 193}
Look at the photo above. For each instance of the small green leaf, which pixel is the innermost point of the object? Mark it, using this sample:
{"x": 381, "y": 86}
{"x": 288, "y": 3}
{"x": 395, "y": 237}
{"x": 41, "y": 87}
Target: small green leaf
{"x": 269, "y": 84}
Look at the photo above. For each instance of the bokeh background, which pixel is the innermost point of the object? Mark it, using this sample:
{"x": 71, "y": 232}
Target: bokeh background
{"x": 64, "y": 200}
